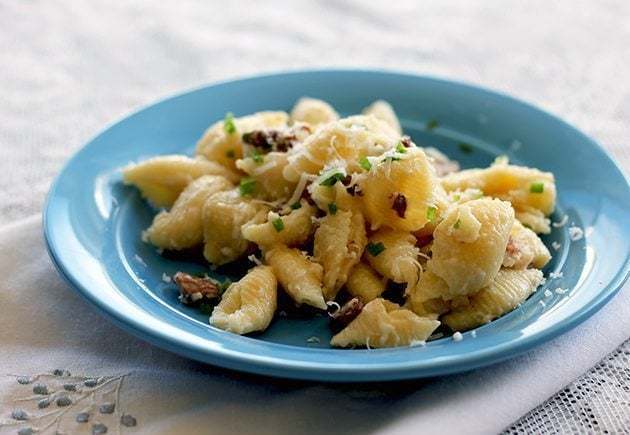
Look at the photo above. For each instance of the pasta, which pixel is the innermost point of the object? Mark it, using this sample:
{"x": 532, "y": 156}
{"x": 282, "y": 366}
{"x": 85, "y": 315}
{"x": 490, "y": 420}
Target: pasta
{"x": 352, "y": 220}
{"x": 182, "y": 226}
{"x": 161, "y": 179}
{"x": 399, "y": 191}
{"x": 223, "y": 141}
{"x": 338, "y": 245}
{"x": 469, "y": 244}
{"x": 364, "y": 283}
{"x": 291, "y": 230}
{"x": 249, "y": 304}
{"x": 313, "y": 112}
{"x": 300, "y": 277}
{"x": 508, "y": 290}
{"x": 394, "y": 255}
{"x": 384, "y": 324}
{"x": 224, "y": 214}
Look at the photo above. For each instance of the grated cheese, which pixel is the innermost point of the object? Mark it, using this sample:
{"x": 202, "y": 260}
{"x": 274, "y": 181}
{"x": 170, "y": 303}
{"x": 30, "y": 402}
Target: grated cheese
{"x": 457, "y": 336}
{"x": 562, "y": 222}
{"x": 561, "y": 291}
{"x": 139, "y": 260}
{"x": 312, "y": 339}
{"x": 548, "y": 293}
{"x": 576, "y": 233}
{"x": 166, "y": 278}
{"x": 556, "y": 275}
{"x": 556, "y": 245}
{"x": 415, "y": 343}
{"x": 254, "y": 260}
{"x": 542, "y": 304}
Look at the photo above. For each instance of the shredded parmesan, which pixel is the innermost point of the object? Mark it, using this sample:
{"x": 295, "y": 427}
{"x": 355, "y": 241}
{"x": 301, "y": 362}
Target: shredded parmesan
{"x": 556, "y": 245}
{"x": 299, "y": 189}
{"x": 415, "y": 343}
{"x": 254, "y": 260}
{"x": 562, "y": 222}
{"x": 312, "y": 339}
{"x": 576, "y": 233}
{"x": 548, "y": 293}
{"x": 259, "y": 170}
{"x": 139, "y": 260}
{"x": 561, "y": 291}
{"x": 542, "y": 304}
{"x": 457, "y": 336}
{"x": 556, "y": 275}
{"x": 166, "y": 278}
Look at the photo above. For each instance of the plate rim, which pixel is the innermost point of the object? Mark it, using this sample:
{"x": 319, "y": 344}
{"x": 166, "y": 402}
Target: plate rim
{"x": 320, "y": 370}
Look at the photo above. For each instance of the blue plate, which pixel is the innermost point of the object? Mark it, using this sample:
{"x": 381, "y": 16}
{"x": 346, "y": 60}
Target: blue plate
{"x": 92, "y": 223}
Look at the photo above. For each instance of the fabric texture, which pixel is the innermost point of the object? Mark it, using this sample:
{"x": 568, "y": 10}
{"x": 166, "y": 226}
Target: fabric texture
{"x": 69, "y": 68}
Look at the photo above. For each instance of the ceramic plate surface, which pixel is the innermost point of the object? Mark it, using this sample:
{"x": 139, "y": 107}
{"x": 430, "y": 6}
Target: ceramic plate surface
{"x": 93, "y": 223}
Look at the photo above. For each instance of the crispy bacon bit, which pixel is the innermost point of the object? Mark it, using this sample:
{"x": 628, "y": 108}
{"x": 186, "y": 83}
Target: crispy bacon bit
{"x": 512, "y": 253}
{"x": 276, "y": 140}
{"x": 354, "y": 189}
{"x": 406, "y": 141}
{"x": 346, "y": 314}
{"x": 399, "y": 204}
{"x": 194, "y": 289}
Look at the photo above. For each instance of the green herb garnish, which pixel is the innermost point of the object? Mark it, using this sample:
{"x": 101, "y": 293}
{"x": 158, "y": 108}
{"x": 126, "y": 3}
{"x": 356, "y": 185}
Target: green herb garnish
{"x": 247, "y": 186}
{"x": 375, "y": 248}
{"x": 257, "y": 157}
{"x": 296, "y": 205}
{"x": 330, "y": 181}
{"x": 228, "y": 123}
{"x": 278, "y": 224}
{"x": 432, "y": 124}
{"x": 537, "y": 188}
{"x": 365, "y": 163}
{"x": 400, "y": 148}
{"x": 332, "y": 208}
{"x": 457, "y": 224}
{"x": 464, "y": 147}
{"x": 431, "y": 213}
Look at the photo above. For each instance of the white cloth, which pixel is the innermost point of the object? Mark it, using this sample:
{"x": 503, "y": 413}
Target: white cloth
{"x": 45, "y": 325}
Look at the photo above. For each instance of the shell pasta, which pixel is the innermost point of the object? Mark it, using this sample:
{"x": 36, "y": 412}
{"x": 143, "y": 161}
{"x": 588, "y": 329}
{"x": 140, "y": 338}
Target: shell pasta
{"x": 346, "y": 218}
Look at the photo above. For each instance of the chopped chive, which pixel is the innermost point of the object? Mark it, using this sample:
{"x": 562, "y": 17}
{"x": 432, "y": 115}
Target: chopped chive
{"x": 537, "y": 188}
{"x": 431, "y": 212}
{"x": 278, "y": 224}
{"x": 365, "y": 163}
{"x": 296, "y": 205}
{"x": 465, "y": 147}
{"x": 224, "y": 285}
{"x": 247, "y": 186}
{"x": 457, "y": 197}
{"x": 332, "y": 208}
{"x": 257, "y": 157}
{"x": 375, "y": 248}
{"x": 330, "y": 181}
{"x": 457, "y": 224}
{"x": 400, "y": 148}
{"x": 228, "y": 123}
{"x": 432, "y": 124}
{"x": 230, "y": 154}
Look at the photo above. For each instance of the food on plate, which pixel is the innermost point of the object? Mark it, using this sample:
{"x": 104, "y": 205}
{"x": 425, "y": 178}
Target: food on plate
{"x": 349, "y": 218}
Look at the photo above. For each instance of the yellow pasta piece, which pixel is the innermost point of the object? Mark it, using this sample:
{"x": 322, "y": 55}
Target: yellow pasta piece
{"x": 427, "y": 295}
{"x": 161, "y": 179}
{"x": 224, "y": 214}
{"x": 292, "y": 230}
{"x": 182, "y": 226}
{"x": 441, "y": 203}
{"x": 534, "y": 219}
{"x": 338, "y": 245}
{"x": 469, "y": 244}
{"x": 343, "y": 143}
{"x": 382, "y": 323}
{"x": 398, "y": 256}
{"x": 524, "y": 248}
{"x": 524, "y": 187}
{"x": 313, "y": 112}
{"x": 266, "y": 170}
{"x": 364, "y": 283}
{"x": 226, "y": 147}
{"x": 384, "y": 111}
{"x": 410, "y": 180}
{"x": 249, "y": 304}
{"x": 300, "y": 277}
{"x": 336, "y": 194}
{"x": 507, "y": 291}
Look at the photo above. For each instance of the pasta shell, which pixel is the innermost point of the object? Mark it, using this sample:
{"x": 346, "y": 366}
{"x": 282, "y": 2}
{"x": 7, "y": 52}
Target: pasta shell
{"x": 182, "y": 226}
{"x": 268, "y": 175}
{"x": 300, "y": 277}
{"x": 508, "y": 290}
{"x": 338, "y": 246}
{"x": 413, "y": 179}
{"x": 399, "y": 260}
{"x": 364, "y": 283}
{"x": 313, "y": 112}
{"x": 427, "y": 296}
{"x": 469, "y": 244}
{"x": 249, "y": 304}
{"x": 534, "y": 219}
{"x": 382, "y": 323}
{"x": 524, "y": 248}
{"x": 224, "y": 214}
{"x": 162, "y": 179}
{"x": 292, "y": 230}
{"x": 385, "y": 112}
{"x": 225, "y": 148}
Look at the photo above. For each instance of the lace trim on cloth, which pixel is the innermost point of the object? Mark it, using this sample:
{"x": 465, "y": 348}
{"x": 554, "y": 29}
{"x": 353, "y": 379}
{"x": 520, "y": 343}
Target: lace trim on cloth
{"x": 598, "y": 402}
{"x": 59, "y": 402}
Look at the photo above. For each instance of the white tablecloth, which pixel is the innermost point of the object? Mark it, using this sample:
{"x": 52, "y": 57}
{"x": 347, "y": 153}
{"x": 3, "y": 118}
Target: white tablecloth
{"x": 68, "y": 68}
